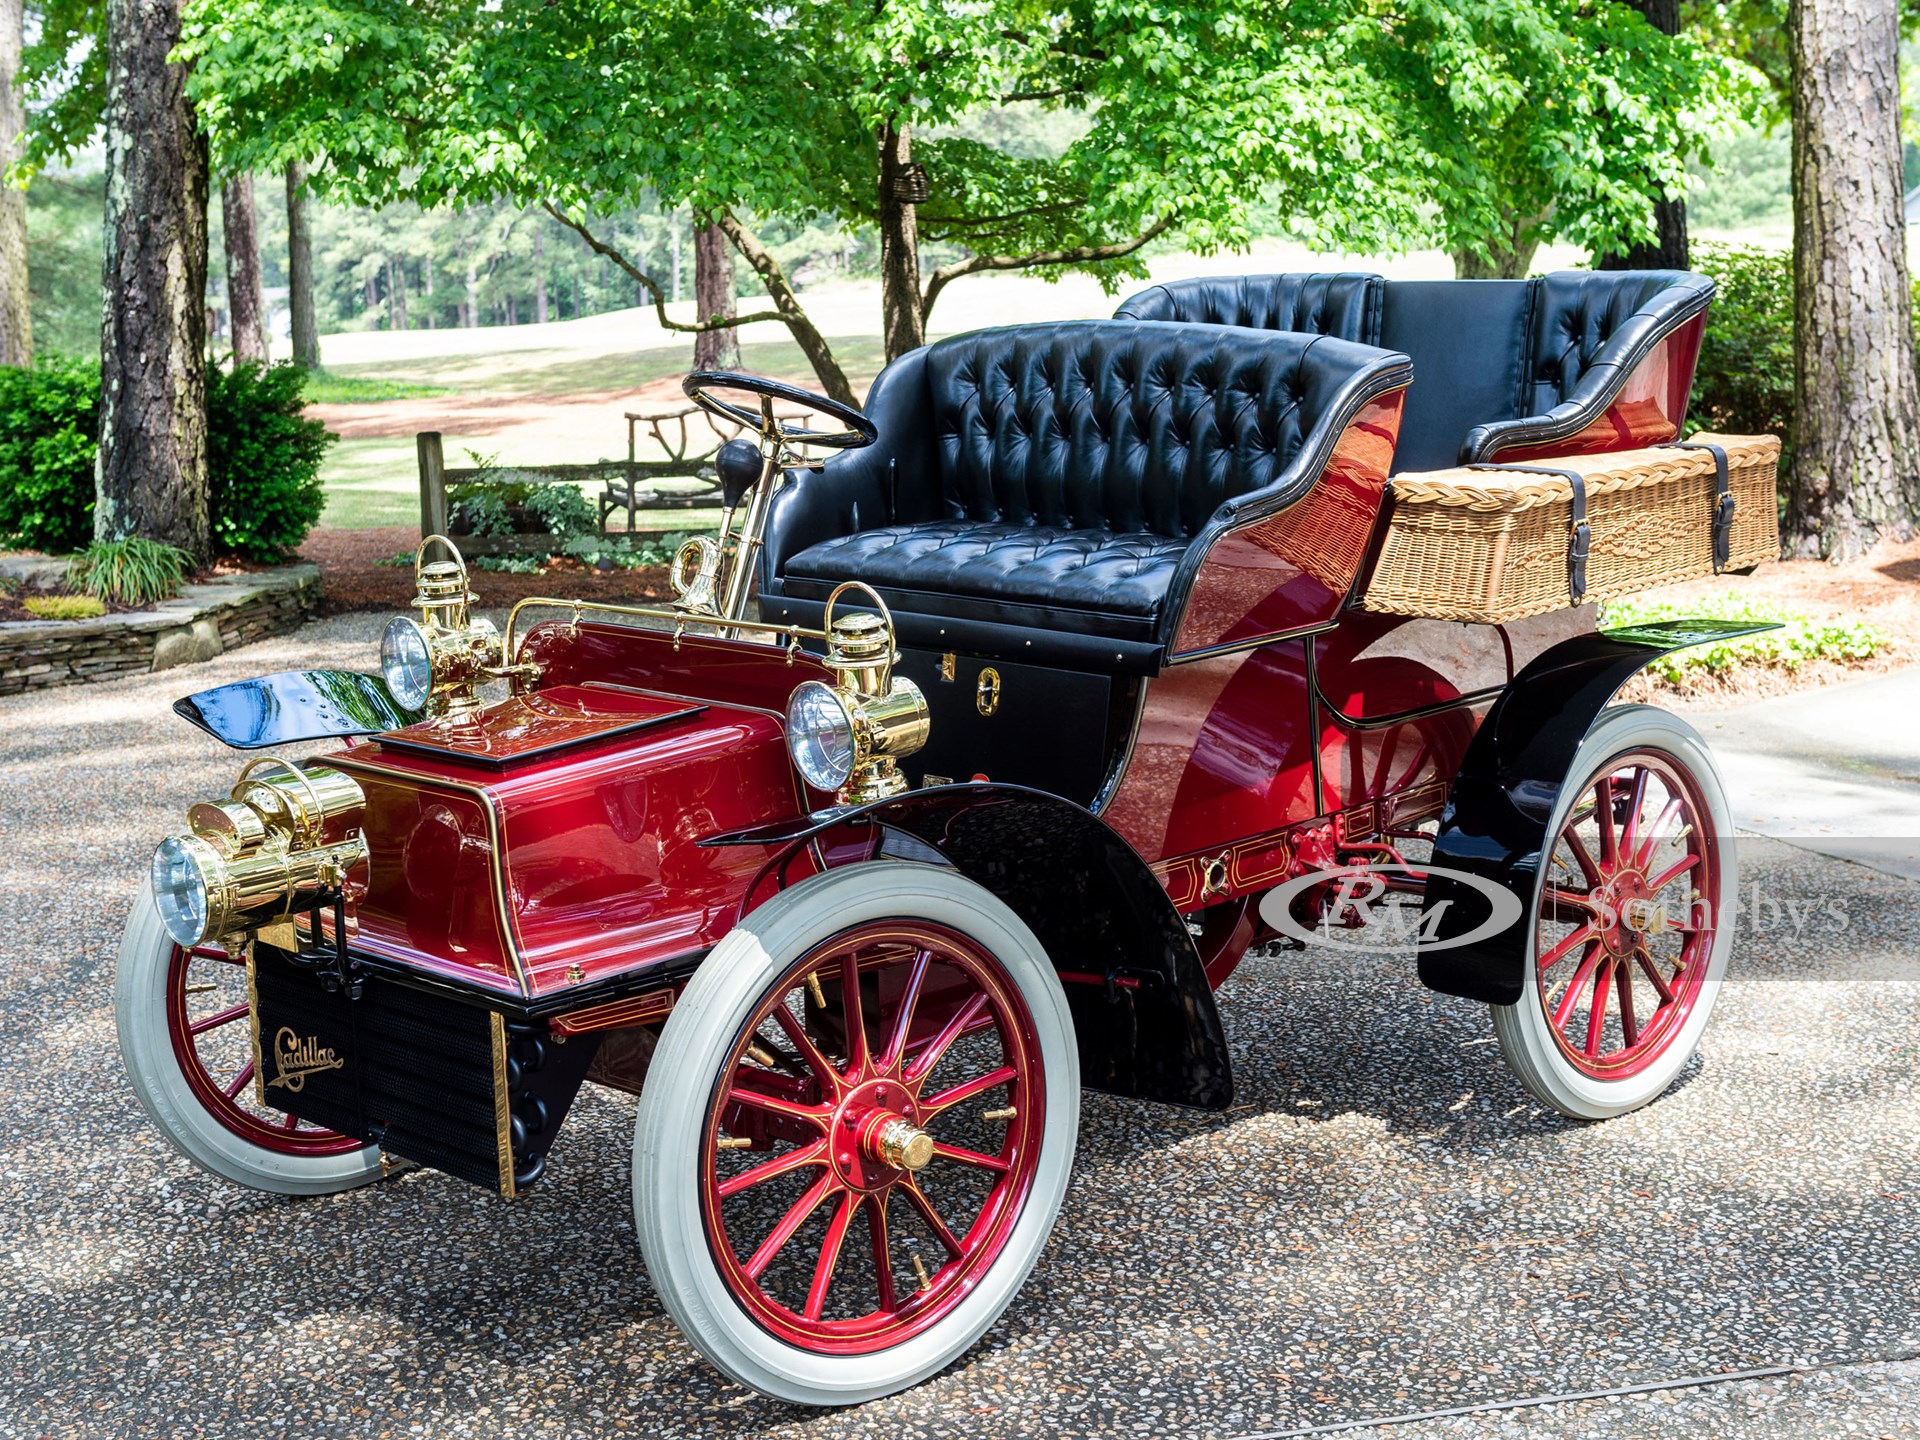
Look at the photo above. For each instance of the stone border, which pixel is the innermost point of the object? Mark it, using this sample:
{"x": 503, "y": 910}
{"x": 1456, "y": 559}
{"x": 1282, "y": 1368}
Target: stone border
{"x": 198, "y": 624}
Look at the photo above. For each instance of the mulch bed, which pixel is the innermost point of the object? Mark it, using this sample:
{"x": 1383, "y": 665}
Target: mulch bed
{"x": 354, "y": 578}
{"x": 12, "y": 608}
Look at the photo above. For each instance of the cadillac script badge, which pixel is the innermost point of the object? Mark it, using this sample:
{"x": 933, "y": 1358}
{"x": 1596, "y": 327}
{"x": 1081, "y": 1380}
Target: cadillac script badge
{"x": 296, "y": 1057}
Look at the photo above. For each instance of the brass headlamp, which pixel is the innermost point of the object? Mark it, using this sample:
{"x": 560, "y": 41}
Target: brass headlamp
{"x": 275, "y": 846}
{"x": 849, "y": 737}
{"x": 437, "y": 663}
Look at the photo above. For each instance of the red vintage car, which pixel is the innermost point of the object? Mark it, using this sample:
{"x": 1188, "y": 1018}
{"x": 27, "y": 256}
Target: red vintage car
{"x": 1056, "y": 676}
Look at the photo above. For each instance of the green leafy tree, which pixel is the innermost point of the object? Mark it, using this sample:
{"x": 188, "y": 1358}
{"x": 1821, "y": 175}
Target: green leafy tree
{"x": 1550, "y": 120}
{"x": 588, "y": 107}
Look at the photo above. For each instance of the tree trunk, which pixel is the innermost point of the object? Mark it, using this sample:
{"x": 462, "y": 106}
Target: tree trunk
{"x": 426, "y": 285}
{"x": 152, "y": 468}
{"x": 1669, "y": 248}
{"x": 1508, "y": 256}
{"x": 1856, "y": 452}
{"x": 16, "y": 310}
{"x": 540, "y": 277}
{"x": 473, "y": 296}
{"x": 396, "y": 293}
{"x": 306, "y": 331}
{"x": 246, "y": 300}
{"x": 713, "y": 299}
{"x": 900, "y": 320}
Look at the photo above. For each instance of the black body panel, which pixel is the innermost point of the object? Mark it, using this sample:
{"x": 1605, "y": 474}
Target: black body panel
{"x": 1143, "y": 1013}
{"x": 1050, "y": 729}
{"x": 294, "y": 706}
{"x": 1495, "y": 822}
{"x": 414, "y": 1072}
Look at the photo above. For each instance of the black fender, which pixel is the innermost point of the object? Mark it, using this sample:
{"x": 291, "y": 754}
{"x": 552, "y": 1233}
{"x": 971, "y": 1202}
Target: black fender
{"x": 1142, "y": 1010}
{"x": 294, "y": 706}
{"x": 1494, "y": 826}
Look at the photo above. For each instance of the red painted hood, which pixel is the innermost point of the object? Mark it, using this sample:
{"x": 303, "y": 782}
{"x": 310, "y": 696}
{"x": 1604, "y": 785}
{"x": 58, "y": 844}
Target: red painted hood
{"x": 553, "y": 839}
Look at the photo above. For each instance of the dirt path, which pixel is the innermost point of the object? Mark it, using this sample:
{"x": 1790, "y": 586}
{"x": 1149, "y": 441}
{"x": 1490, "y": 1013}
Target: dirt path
{"x": 355, "y": 578}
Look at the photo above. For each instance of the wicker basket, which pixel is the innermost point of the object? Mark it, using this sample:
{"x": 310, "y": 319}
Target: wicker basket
{"x": 1492, "y": 544}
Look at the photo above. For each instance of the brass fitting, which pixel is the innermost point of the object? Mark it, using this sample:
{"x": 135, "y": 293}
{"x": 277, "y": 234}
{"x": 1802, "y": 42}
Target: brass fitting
{"x": 888, "y": 713}
{"x": 271, "y": 849}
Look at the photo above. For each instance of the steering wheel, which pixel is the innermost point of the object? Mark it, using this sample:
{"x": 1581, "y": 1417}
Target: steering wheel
{"x": 700, "y": 385}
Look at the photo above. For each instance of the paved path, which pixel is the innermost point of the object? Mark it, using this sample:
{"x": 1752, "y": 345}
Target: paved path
{"x": 1835, "y": 770}
{"x": 1380, "y": 1227}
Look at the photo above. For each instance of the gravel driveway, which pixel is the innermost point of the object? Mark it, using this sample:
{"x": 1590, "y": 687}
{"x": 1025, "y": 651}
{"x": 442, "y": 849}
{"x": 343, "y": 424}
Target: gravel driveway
{"x": 1380, "y": 1227}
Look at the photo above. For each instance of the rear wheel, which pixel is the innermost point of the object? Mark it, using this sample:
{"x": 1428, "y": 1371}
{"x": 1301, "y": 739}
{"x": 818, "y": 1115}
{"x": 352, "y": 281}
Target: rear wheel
{"x": 187, "y": 1046}
{"x": 1630, "y": 933}
{"x": 856, "y": 1133}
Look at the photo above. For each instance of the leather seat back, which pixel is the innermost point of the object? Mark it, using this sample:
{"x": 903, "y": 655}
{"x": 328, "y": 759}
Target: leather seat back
{"x": 1346, "y": 305}
{"x": 1468, "y": 343}
{"x": 1148, "y": 427}
{"x": 1575, "y": 314}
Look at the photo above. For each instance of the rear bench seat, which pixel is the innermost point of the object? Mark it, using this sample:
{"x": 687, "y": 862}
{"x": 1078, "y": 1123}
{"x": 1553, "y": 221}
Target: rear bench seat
{"x": 1497, "y": 364}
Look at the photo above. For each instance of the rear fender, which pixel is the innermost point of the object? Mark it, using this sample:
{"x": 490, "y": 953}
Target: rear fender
{"x": 1142, "y": 1009}
{"x": 1495, "y": 823}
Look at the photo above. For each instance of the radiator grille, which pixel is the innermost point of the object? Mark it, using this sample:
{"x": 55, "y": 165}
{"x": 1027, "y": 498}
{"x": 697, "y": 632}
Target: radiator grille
{"x": 416, "y": 1072}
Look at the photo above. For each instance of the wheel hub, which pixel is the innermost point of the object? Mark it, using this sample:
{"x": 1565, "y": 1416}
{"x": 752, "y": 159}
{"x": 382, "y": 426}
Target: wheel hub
{"x": 1627, "y": 911}
{"x": 875, "y": 1137}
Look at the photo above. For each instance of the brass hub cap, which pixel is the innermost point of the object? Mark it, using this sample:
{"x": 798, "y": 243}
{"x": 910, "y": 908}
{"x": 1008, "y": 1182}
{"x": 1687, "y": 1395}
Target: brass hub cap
{"x": 875, "y": 1138}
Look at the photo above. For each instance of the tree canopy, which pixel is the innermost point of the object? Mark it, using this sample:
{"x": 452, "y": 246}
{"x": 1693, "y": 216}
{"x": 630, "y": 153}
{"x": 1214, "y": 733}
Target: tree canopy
{"x": 1371, "y": 124}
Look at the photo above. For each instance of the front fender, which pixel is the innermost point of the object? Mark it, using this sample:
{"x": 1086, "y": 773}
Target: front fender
{"x": 1495, "y": 823}
{"x": 1142, "y": 1009}
{"x": 295, "y": 706}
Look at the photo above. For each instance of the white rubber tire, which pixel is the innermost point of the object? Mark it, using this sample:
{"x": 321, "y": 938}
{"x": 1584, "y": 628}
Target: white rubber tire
{"x": 701, "y": 1032}
{"x": 146, "y": 1049}
{"x": 1524, "y": 1029}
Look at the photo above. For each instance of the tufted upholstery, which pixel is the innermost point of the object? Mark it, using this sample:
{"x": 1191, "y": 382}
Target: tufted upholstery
{"x": 1575, "y": 314}
{"x": 1057, "y": 478}
{"x": 1496, "y": 363}
{"x": 1092, "y": 581}
{"x": 1344, "y": 305}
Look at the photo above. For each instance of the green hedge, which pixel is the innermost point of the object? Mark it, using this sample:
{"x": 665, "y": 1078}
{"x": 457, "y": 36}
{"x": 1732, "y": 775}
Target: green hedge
{"x": 49, "y": 424}
{"x": 263, "y": 458}
{"x": 1744, "y": 385}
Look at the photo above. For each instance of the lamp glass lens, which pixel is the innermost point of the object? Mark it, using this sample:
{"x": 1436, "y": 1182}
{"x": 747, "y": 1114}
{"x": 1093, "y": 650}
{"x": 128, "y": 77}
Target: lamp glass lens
{"x": 407, "y": 663}
{"x": 820, "y": 736}
{"x": 180, "y": 892}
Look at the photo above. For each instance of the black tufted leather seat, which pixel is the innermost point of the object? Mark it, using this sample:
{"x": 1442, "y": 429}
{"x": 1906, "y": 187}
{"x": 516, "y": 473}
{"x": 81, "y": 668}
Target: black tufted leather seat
{"x": 1344, "y": 305}
{"x": 1048, "y": 489}
{"x": 1496, "y": 363}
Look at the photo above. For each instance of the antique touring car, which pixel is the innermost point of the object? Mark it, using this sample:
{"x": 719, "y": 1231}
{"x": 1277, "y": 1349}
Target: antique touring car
{"x": 1086, "y": 645}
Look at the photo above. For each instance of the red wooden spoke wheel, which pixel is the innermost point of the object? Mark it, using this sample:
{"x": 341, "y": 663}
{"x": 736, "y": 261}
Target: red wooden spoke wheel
{"x": 867, "y": 1077}
{"x": 1625, "y": 922}
{"x": 188, "y": 1050}
{"x": 856, "y": 1132}
{"x": 1630, "y": 937}
{"x": 212, "y": 1043}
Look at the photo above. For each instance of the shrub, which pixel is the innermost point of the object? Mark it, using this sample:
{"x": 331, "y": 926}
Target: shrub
{"x": 263, "y": 460}
{"x": 1797, "y": 640}
{"x": 1744, "y": 385}
{"x": 134, "y": 571}
{"x": 263, "y": 457}
{"x": 49, "y": 423}
{"x": 64, "y": 607}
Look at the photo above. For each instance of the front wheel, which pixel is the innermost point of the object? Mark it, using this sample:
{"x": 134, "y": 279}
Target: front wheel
{"x": 1631, "y": 932}
{"x": 856, "y": 1133}
{"x": 188, "y": 1049}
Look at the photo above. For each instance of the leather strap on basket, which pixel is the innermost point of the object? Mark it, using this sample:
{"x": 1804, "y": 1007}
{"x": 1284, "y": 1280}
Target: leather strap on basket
{"x": 1724, "y": 502}
{"x": 1580, "y": 542}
